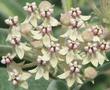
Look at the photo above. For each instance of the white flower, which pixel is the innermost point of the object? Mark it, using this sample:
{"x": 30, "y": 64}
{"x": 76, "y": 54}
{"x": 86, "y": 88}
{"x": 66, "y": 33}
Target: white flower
{"x": 42, "y": 69}
{"x": 93, "y": 55}
{"x": 7, "y": 59}
{"x": 71, "y": 51}
{"x": 46, "y": 10}
{"x": 53, "y": 50}
{"x": 44, "y": 34}
{"x": 97, "y": 32}
{"x": 74, "y": 32}
{"x": 19, "y": 78}
{"x": 12, "y": 21}
{"x": 77, "y": 13}
{"x": 30, "y": 7}
{"x": 19, "y": 47}
{"x": 72, "y": 75}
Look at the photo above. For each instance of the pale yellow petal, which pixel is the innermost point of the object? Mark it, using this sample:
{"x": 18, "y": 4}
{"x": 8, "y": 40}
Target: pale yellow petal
{"x": 26, "y": 48}
{"x": 39, "y": 73}
{"x": 46, "y": 40}
{"x": 54, "y": 22}
{"x": 54, "y": 61}
{"x": 63, "y": 51}
{"x": 36, "y": 35}
{"x": 85, "y": 61}
{"x": 24, "y": 85}
{"x": 69, "y": 57}
{"x": 19, "y": 51}
{"x": 53, "y": 38}
{"x": 79, "y": 80}
{"x": 46, "y": 75}
{"x": 101, "y": 58}
{"x": 25, "y": 76}
{"x": 85, "y": 18}
{"x": 33, "y": 70}
{"x": 64, "y": 75}
{"x": 70, "y": 81}
{"x": 94, "y": 61}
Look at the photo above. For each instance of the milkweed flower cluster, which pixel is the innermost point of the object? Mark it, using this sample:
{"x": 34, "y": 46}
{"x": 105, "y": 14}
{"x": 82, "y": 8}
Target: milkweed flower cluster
{"x": 79, "y": 45}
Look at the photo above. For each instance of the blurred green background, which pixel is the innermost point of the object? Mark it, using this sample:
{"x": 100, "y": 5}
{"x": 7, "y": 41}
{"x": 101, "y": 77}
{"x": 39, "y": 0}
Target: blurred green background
{"x": 14, "y": 7}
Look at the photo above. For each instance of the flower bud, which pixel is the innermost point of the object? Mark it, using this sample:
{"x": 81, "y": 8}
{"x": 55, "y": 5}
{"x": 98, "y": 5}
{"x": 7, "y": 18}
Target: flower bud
{"x": 90, "y": 73}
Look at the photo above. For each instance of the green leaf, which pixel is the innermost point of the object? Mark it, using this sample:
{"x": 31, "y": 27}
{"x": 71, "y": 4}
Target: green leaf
{"x": 12, "y": 8}
{"x": 57, "y": 85}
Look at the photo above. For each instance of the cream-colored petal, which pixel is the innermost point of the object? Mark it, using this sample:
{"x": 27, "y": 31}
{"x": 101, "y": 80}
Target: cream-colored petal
{"x": 24, "y": 85}
{"x": 26, "y": 48}
{"x": 53, "y": 38}
{"x": 69, "y": 57}
{"x": 101, "y": 58}
{"x": 46, "y": 40}
{"x": 80, "y": 38}
{"x": 79, "y": 80}
{"x": 64, "y": 75}
{"x": 36, "y": 35}
{"x": 19, "y": 51}
{"x": 54, "y": 22}
{"x": 96, "y": 38}
{"x": 46, "y": 75}
{"x": 25, "y": 76}
{"x": 73, "y": 35}
{"x": 86, "y": 60}
{"x": 54, "y": 61}
{"x": 70, "y": 81}
{"x": 94, "y": 61}
{"x": 63, "y": 51}
{"x": 85, "y": 18}
{"x": 66, "y": 34}
{"x": 39, "y": 73}
{"x": 33, "y": 70}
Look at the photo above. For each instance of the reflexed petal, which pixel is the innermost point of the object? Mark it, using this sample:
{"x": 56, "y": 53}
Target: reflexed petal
{"x": 39, "y": 73}
{"x": 63, "y": 51}
{"x": 54, "y": 22}
{"x": 94, "y": 61}
{"x": 85, "y": 18}
{"x": 54, "y": 61}
{"x": 69, "y": 57}
{"x": 26, "y": 48}
{"x": 66, "y": 34}
{"x": 96, "y": 38}
{"x": 79, "y": 80}
{"x": 70, "y": 81}
{"x": 73, "y": 35}
{"x": 46, "y": 75}
{"x": 64, "y": 75}
{"x": 85, "y": 61}
{"x": 101, "y": 58}
{"x": 20, "y": 51}
{"x": 80, "y": 38}
{"x": 24, "y": 85}
{"x": 53, "y": 38}
{"x": 33, "y": 70}
{"x": 46, "y": 40}
{"x": 36, "y": 35}
{"x": 25, "y": 76}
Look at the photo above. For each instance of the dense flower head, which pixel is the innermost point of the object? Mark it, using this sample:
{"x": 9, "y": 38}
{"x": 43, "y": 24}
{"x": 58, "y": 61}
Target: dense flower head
{"x": 75, "y": 51}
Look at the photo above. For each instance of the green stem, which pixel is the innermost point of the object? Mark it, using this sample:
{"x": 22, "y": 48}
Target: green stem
{"x": 67, "y": 4}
